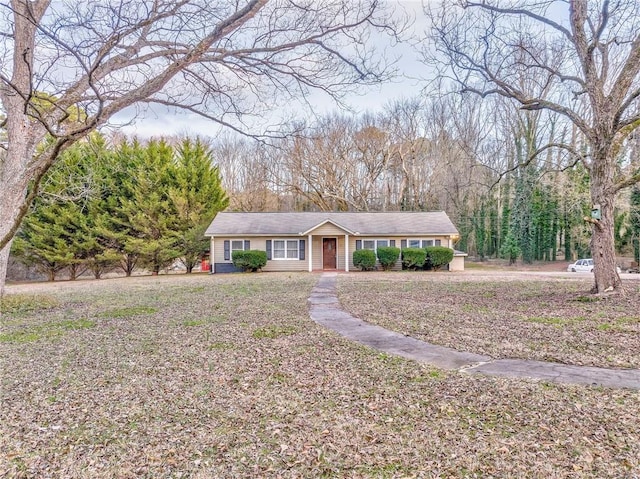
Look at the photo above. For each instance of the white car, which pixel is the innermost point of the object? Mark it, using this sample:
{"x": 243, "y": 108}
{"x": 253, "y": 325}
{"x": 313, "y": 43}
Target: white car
{"x": 584, "y": 266}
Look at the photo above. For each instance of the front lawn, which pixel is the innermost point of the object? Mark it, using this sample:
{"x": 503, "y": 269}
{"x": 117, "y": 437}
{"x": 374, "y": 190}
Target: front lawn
{"x": 543, "y": 318}
{"x": 226, "y": 377}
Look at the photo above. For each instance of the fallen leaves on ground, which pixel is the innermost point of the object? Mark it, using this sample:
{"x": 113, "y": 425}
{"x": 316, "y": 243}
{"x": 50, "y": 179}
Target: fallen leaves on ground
{"x": 226, "y": 377}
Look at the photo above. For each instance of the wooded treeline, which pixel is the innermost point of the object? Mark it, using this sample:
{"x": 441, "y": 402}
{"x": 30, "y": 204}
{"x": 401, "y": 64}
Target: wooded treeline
{"x": 474, "y": 160}
{"x": 127, "y": 206}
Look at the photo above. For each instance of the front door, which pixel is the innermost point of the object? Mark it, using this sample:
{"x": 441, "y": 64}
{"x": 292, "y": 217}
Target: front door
{"x": 329, "y": 257}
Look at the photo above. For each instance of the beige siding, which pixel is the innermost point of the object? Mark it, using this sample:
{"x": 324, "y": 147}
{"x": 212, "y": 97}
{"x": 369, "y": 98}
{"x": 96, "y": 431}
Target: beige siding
{"x": 325, "y": 231}
{"x": 260, "y": 243}
{"x": 328, "y": 230}
{"x": 286, "y": 265}
{"x": 317, "y": 252}
{"x": 218, "y": 248}
{"x": 457, "y": 264}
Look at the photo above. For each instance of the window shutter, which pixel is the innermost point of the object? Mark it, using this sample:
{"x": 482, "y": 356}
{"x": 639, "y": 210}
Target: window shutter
{"x": 301, "y": 250}
{"x": 268, "y": 249}
{"x": 392, "y": 242}
{"x": 227, "y": 250}
{"x": 247, "y": 245}
{"x": 358, "y": 244}
{"x": 403, "y": 244}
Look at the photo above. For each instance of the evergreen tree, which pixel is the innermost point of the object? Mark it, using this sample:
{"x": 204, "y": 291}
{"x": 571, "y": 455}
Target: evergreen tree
{"x": 147, "y": 213}
{"x": 114, "y": 228}
{"x": 41, "y": 241}
{"x": 57, "y": 233}
{"x": 196, "y": 197}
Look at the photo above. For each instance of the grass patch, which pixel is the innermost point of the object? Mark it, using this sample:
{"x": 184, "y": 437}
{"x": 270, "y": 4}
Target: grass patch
{"x": 202, "y": 321}
{"x": 129, "y": 312}
{"x": 26, "y": 303}
{"x": 189, "y": 323}
{"x": 554, "y": 321}
{"x": 20, "y": 336}
{"x": 586, "y": 299}
{"x": 45, "y": 331}
{"x": 273, "y": 332}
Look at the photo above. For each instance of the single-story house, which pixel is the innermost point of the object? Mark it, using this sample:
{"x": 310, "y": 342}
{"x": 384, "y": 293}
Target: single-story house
{"x": 325, "y": 241}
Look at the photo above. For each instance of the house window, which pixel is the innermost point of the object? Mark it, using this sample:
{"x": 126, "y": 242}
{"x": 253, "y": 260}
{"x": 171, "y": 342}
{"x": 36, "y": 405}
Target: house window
{"x": 286, "y": 249}
{"x": 423, "y": 243}
{"x": 374, "y": 244}
{"x": 237, "y": 245}
{"x": 230, "y": 246}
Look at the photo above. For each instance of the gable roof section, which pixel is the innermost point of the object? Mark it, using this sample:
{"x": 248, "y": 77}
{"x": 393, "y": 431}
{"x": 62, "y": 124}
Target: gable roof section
{"x": 389, "y": 223}
{"x": 328, "y": 221}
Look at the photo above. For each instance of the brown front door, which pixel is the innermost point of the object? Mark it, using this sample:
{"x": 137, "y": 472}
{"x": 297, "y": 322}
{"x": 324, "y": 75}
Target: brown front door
{"x": 329, "y": 253}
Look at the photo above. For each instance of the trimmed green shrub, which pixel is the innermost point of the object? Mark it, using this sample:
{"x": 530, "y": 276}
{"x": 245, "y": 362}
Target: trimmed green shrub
{"x": 388, "y": 255}
{"x": 438, "y": 256}
{"x": 249, "y": 260}
{"x": 365, "y": 259}
{"x": 413, "y": 258}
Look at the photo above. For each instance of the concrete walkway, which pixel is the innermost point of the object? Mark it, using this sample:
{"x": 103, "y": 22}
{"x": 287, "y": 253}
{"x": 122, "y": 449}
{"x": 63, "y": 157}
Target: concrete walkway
{"x": 326, "y": 311}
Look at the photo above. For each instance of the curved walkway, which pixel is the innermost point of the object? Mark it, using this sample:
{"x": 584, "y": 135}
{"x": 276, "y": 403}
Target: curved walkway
{"x": 326, "y": 311}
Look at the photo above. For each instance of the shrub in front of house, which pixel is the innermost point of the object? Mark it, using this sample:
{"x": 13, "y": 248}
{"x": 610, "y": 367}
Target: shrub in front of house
{"x": 438, "y": 256}
{"x": 249, "y": 260}
{"x": 413, "y": 258}
{"x": 388, "y": 255}
{"x": 365, "y": 259}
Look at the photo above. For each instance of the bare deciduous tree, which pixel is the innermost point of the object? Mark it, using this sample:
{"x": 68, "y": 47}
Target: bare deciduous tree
{"x": 68, "y": 67}
{"x": 584, "y": 56}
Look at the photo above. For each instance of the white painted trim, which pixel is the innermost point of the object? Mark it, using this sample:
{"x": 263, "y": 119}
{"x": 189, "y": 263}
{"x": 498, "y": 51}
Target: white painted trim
{"x": 324, "y": 223}
{"x": 273, "y": 249}
{"x": 423, "y": 239}
{"x": 346, "y": 253}
{"x": 375, "y": 240}
{"x": 212, "y": 256}
{"x": 310, "y": 242}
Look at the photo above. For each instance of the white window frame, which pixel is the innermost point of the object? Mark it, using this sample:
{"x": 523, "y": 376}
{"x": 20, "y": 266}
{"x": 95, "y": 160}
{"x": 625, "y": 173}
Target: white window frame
{"x": 232, "y": 249}
{"x": 375, "y": 243}
{"x": 286, "y": 249}
{"x": 423, "y": 242}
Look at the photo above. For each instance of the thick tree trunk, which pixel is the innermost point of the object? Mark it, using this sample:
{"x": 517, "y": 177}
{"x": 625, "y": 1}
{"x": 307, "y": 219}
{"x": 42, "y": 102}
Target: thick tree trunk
{"x": 11, "y": 198}
{"x": 602, "y": 241}
{"x": 4, "y": 263}
{"x": 22, "y": 134}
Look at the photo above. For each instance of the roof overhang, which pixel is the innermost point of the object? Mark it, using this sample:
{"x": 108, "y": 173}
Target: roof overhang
{"x": 346, "y": 230}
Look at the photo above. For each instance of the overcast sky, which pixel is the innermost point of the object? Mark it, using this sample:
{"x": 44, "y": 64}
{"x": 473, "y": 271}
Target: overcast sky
{"x": 158, "y": 121}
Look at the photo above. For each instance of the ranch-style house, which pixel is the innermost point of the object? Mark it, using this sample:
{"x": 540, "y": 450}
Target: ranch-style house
{"x": 325, "y": 241}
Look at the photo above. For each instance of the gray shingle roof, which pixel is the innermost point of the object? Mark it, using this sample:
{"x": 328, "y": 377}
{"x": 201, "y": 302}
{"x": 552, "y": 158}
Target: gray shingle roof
{"x": 394, "y": 223}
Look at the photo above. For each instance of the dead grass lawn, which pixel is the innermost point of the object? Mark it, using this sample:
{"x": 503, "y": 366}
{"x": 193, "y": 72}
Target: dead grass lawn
{"x": 226, "y": 377}
{"x": 504, "y": 315}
